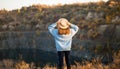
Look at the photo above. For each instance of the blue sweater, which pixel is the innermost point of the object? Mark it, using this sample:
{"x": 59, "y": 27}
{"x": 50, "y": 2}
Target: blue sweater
{"x": 63, "y": 42}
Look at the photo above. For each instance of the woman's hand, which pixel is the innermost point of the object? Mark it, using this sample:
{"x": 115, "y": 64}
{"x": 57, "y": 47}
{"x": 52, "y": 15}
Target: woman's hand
{"x": 69, "y": 23}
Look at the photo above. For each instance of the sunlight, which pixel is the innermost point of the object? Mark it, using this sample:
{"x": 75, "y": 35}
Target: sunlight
{"x": 16, "y": 4}
{"x": 53, "y": 2}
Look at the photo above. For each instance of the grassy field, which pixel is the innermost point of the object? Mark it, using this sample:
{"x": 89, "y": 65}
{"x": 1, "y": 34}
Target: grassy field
{"x": 94, "y": 64}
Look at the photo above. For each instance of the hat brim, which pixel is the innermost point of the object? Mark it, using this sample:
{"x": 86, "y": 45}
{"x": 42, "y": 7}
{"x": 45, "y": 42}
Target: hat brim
{"x": 63, "y": 27}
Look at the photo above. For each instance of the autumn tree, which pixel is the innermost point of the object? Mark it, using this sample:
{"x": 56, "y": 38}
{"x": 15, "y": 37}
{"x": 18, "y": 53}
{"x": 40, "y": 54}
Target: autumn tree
{"x": 116, "y": 2}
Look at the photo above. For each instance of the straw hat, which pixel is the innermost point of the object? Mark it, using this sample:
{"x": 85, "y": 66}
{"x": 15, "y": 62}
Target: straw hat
{"x": 63, "y": 23}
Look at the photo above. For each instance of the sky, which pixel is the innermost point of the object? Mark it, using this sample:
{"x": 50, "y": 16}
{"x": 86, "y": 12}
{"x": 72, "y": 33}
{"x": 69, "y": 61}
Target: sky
{"x": 17, "y": 4}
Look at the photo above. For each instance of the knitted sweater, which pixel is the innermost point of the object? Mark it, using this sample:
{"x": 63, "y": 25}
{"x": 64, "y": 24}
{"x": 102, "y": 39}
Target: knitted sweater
{"x": 63, "y": 42}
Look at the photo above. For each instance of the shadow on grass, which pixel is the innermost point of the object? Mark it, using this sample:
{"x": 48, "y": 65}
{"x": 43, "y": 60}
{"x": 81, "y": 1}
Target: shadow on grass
{"x": 39, "y": 57}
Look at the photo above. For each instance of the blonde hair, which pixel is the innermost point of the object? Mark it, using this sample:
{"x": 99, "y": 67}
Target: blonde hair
{"x": 63, "y": 31}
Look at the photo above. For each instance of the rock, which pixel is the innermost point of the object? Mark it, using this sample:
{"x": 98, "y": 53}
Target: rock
{"x": 102, "y": 14}
{"x": 90, "y": 16}
{"x": 96, "y": 15}
{"x": 118, "y": 31}
{"x": 116, "y": 19}
{"x": 28, "y": 27}
{"x": 10, "y": 27}
{"x": 102, "y": 28}
{"x": 37, "y": 26}
{"x": 90, "y": 33}
{"x": 40, "y": 26}
{"x": 4, "y": 27}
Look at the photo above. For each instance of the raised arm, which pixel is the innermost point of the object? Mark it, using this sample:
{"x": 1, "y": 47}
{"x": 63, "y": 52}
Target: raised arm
{"x": 51, "y": 28}
{"x": 74, "y": 28}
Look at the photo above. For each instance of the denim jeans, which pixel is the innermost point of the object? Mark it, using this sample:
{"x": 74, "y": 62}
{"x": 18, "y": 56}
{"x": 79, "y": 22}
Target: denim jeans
{"x": 61, "y": 55}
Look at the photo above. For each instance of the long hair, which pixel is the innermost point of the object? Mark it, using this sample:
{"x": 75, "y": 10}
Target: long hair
{"x": 63, "y": 31}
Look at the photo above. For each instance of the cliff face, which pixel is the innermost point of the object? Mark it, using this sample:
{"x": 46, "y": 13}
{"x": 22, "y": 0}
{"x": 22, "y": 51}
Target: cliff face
{"x": 26, "y": 28}
{"x": 42, "y": 40}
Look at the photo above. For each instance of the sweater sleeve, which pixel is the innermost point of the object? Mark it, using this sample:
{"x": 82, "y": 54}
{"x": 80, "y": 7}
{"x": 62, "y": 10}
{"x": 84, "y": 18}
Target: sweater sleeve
{"x": 51, "y": 28}
{"x": 74, "y": 29}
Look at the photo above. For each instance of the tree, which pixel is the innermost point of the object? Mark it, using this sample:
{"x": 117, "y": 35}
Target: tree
{"x": 116, "y": 2}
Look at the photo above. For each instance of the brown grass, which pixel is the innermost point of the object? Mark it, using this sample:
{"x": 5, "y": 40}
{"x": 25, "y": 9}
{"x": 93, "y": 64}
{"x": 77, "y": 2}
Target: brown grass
{"x": 95, "y": 64}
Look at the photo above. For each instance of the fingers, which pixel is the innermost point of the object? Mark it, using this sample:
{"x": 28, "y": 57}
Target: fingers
{"x": 69, "y": 23}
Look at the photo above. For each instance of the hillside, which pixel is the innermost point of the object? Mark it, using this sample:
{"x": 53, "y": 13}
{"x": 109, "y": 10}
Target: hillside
{"x": 28, "y": 18}
{"x": 24, "y": 34}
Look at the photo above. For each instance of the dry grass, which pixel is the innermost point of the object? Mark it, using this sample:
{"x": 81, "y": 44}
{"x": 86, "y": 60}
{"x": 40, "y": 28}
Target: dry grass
{"x": 95, "y": 64}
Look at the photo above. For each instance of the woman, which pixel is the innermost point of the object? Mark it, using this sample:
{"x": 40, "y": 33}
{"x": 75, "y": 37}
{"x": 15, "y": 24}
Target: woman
{"x": 63, "y": 38}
